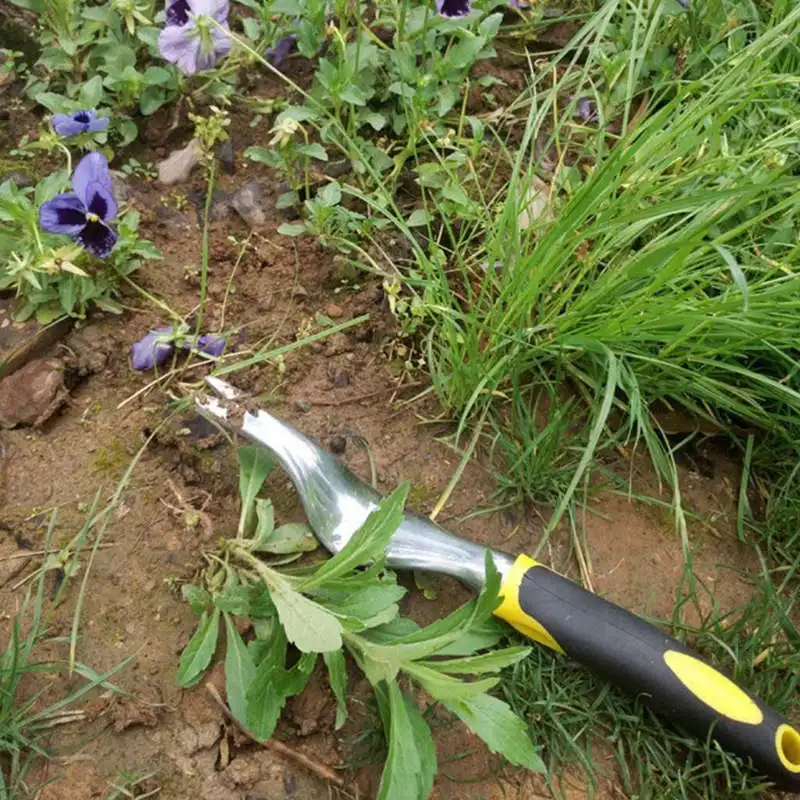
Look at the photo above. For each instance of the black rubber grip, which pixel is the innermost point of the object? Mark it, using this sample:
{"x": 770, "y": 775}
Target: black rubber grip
{"x": 671, "y": 678}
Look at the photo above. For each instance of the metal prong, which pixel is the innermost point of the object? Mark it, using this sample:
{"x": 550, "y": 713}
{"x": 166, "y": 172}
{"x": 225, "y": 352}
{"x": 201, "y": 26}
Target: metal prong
{"x": 223, "y": 388}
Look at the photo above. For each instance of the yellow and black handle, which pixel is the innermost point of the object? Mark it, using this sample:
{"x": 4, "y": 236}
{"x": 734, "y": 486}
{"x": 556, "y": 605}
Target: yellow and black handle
{"x": 643, "y": 660}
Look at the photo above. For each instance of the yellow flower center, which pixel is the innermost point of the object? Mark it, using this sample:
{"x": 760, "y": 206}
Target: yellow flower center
{"x": 92, "y": 217}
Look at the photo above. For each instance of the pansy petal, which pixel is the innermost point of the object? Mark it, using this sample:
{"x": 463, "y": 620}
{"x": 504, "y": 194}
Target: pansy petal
{"x": 222, "y": 42}
{"x": 101, "y": 202}
{"x": 180, "y": 46}
{"x": 153, "y": 350}
{"x": 65, "y": 125}
{"x": 453, "y": 9}
{"x": 218, "y": 9}
{"x": 97, "y": 238}
{"x": 64, "y": 214}
{"x": 93, "y": 169}
{"x": 177, "y": 12}
{"x": 282, "y": 48}
{"x": 98, "y": 124}
{"x": 211, "y": 344}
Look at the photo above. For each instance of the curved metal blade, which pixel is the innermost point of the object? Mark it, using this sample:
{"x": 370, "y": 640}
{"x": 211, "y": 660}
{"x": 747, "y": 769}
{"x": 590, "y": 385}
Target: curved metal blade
{"x": 337, "y": 503}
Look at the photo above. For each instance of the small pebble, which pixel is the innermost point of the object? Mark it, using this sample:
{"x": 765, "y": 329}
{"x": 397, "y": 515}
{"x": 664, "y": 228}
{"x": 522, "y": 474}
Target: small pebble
{"x": 334, "y": 311}
{"x": 302, "y": 405}
{"x": 341, "y": 380}
{"x": 337, "y": 445}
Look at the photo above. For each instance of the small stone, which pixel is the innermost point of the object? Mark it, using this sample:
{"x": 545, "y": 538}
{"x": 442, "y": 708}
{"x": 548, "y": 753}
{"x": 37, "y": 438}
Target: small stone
{"x": 225, "y": 155}
{"x": 21, "y": 179}
{"x": 178, "y": 166}
{"x": 244, "y": 770}
{"x": 33, "y": 394}
{"x": 207, "y": 734}
{"x": 337, "y": 445}
{"x": 248, "y": 204}
{"x": 334, "y": 311}
{"x": 302, "y": 405}
{"x": 187, "y": 738}
{"x": 121, "y": 186}
{"x": 150, "y": 585}
{"x": 341, "y": 380}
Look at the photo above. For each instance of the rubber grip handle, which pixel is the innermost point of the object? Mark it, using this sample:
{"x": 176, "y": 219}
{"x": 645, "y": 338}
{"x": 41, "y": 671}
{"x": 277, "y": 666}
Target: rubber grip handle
{"x": 641, "y": 659}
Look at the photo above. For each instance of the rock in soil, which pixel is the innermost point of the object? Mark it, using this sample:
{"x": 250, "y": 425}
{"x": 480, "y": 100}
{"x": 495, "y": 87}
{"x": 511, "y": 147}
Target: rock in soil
{"x": 121, "y": 186}
{"x": 177, "y": 167}
{"x": 32, "y": 394}
{"x": 248, "y": 202}
{"x": 337, "y": 445}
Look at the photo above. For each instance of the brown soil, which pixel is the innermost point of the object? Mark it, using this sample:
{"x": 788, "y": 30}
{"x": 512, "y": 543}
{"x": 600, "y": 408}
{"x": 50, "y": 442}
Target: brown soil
{"x": 349, "y": 385}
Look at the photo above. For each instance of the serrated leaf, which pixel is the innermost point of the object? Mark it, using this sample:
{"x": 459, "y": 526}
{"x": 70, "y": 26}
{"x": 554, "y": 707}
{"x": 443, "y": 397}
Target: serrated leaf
{"x": 198, "y": 598}
{"x": 201, "y": 648}
{"x": 368, "y": 543}
{"x": 411, "y": 760}
{"x": 264, "y": 702}
{"x": 337, "y": 677}
{"x": 235, "y": 600}
{"x": 239, "y": 671}
{"x": 499, "y": 727}
{"x": 255, "y": 464}
{"x": 309, "y": 626}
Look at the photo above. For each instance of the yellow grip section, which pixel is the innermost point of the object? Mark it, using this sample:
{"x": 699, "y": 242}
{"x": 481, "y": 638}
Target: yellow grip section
{"x": 713, "y": 688}
{"x": 510, "y": 610}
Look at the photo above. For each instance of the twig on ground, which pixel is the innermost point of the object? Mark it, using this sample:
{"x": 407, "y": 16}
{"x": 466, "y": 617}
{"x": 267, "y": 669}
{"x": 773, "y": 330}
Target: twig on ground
{"x": 279, "y": 747}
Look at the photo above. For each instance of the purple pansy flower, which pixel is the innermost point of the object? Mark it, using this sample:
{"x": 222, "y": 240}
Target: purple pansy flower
{"x": 585, "y": 109}
{"x": 277, "y": 54}
{"x": 79, "y": 122}
{"x": 177, "y": 12}
{"x": 84, "y": 213}
{"x": 194, "y": 41}
{"x": 453, "y": 9}
{"x": 155, "y": 349}
{"x": 684, "y": 3}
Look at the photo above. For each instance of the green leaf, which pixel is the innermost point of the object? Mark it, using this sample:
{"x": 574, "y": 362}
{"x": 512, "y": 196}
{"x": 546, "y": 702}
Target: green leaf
{"x": 235, "y": 600}
{"x": 67, "y": 294}
{"x": 487, "y": 662}
{"x": 265, "y": 522}
{"x": 502, "y": 730}
{"x": 418, "y": 218}
{"x": 91, "y": 92}
{"x": 291, "y": 230}
{"x": 50, "y": 186}
{"x": 264, "y": 156}
{"x": 198, "y": 598}
{"x": 353, "y": 94}
{"x": 375, "y": 120}
{"x": 444, "y": 687}
{"x": 331, "y": 194}
{"x": 478, "y": 637}
{"x": 313, "y": 150}
{"x": 411, "y": 760}
{"x": 200, "y": 650}
{"x": 239, "y": 671}
{"x": 255, "y": 464}
{"x": 292, "y": 8}
{"x": 368, "y": 543}
{"x": 309, "y": 626}
{"x": 127, "y": 131}
{"x": 157, "y": 76}
{"x": 337, "y": 677}
{"x": 289, "y": 538}
{"x": 151, "y": 99}
{"x": 265, "y": 701}
{"x": 736, "y": 273}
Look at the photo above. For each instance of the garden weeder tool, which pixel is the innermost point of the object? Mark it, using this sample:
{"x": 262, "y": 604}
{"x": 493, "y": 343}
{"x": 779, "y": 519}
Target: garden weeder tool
{"x": 540, "y": 603}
